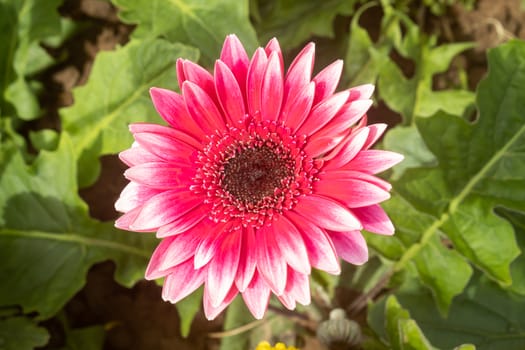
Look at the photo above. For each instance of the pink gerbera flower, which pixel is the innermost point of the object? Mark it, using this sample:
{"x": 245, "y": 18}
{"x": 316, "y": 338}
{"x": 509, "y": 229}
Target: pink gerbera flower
{"x": 258, "y": 177}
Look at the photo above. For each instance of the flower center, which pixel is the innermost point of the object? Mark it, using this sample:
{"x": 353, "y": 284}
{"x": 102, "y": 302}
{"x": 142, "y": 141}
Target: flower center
{"x": 255, "y": 173}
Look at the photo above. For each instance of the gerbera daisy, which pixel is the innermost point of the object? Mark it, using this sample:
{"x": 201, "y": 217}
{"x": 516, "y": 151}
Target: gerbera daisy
{"x": 258, "y": 177}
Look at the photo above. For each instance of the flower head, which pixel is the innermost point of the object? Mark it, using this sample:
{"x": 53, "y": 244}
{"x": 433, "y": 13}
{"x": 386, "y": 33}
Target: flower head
{"x": 258, "y": 177}
{"x": 264, "y": 345}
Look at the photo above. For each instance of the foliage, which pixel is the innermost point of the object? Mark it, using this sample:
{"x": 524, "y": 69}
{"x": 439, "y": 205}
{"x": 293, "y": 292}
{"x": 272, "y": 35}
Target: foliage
{"x": 23, "y": 24}
{"x": 202, "y": 24}
{"x": 274, "y": 18}
{"x": 455, "y": 268}
{"x": 21, "y": 333}
{"x": 48, "y": 241}
{"x": 117, "y": 94}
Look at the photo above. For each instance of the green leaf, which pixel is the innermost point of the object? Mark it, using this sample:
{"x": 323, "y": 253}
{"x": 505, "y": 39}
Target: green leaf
{"x": 21, "y": 333}
{"x": 306, "y": 17}
{"x": 517, "y": 269}
{"x": 23, "y": 24}
{"x": 237, "y": 315}
{"x": 485, "y": 315}
{"x": 187, "y": 309}
{"x": 88, "y": 338}
{"x": 364, "y": 58}
{"x": 403, "y": 332}
{"x": 117, "y": 95}
{"x": 407, "y": 141}
{"x": 368, "y": 62}
{"x": 481, "y": 166}
{"x": 413, "y": 96}
{"x": 443, "y": 270}
{"x": 203, "y": 24}
{"x": 47, "y": 239}
{"x": 44, "y": 139}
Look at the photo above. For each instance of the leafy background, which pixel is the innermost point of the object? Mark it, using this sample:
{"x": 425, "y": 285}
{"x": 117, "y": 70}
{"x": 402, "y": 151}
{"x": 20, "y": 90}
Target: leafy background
{"x": 449, "y": 77}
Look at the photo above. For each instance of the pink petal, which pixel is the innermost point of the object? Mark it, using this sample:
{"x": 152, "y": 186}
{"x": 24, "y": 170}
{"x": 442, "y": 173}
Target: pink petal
{"x": 137, "y": 155}
{"x": 323, "y": 112}
{"x": 321, "y": 251}
{"x": 165, "y": 147}
{"x": 299, "y": 72}
{"x": 361, "y": 92}
{"x": 168, "y": 132}
{"x": 273, "y": 46}
{"x": 298, "y": 287}
{"x": 326, "y": 81}
{"x": 172, "y": 108}
{"x": 153, "y": 270}
{"x": 127, "y": 219}
{"x": 348, "y": 115}
{"x": 161, "y": 175}
{"x": 256, "y": 296}
{"x": 355, "y": 110}
{"x": 254, "y": 81}
{"x": 185, "y": 222}
{"x": 181, "y": 77}
{"x": 339, "y": 175}
{"x": 376, "y": 130}
{"x": 374, "y": 161}
{"x": 223, "y": 268}
{"x": 182, "y": 281}
{"x": 347, "y": 150}
{"x": 318, "y": 146}
{"x": 247, "y": 260}
{"x": 132, "y": 196}
{"x": 272, "y": 89}
{"x": 296, "y": 109}
{"x": 229, "y": 93}
{"x": 352, "y": 192}
{"x": 287, "y": 300}
{"x": 202, "y": 108}
{"x": 173, "y": 251}
{"x": 200, "y": 77}
{"x": 235, "y": 57}
{"x": 213, "y": 237}
{"x": 327, "y": 213}
{"x": 270, "y": 262}
{"x": 350, "y": 246}
{"x": 164, "y": 208}
{"x": 211, "y": 311}
{"x": 374, "y": 219}
{"x": 362, "y": 123}
{"x": 291, "y": 245}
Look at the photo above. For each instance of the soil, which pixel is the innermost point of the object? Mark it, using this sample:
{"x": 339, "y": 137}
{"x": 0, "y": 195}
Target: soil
{"x": 137, "y": 318}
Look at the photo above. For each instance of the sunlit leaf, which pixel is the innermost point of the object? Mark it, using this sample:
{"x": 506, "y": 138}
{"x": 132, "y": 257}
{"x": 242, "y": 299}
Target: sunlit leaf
{"x": 480, "y": 167}
{"x": 203, "y": 24}
{"x": 411, "y": 96}
{"x": 47, "y": 239}
{"x": 407, "y": 141}
{"x": 23, "y": 24}
{"x": 187, "y": 309}
{"x": 116, "y": 95}
{"x": 237, "y": 315}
